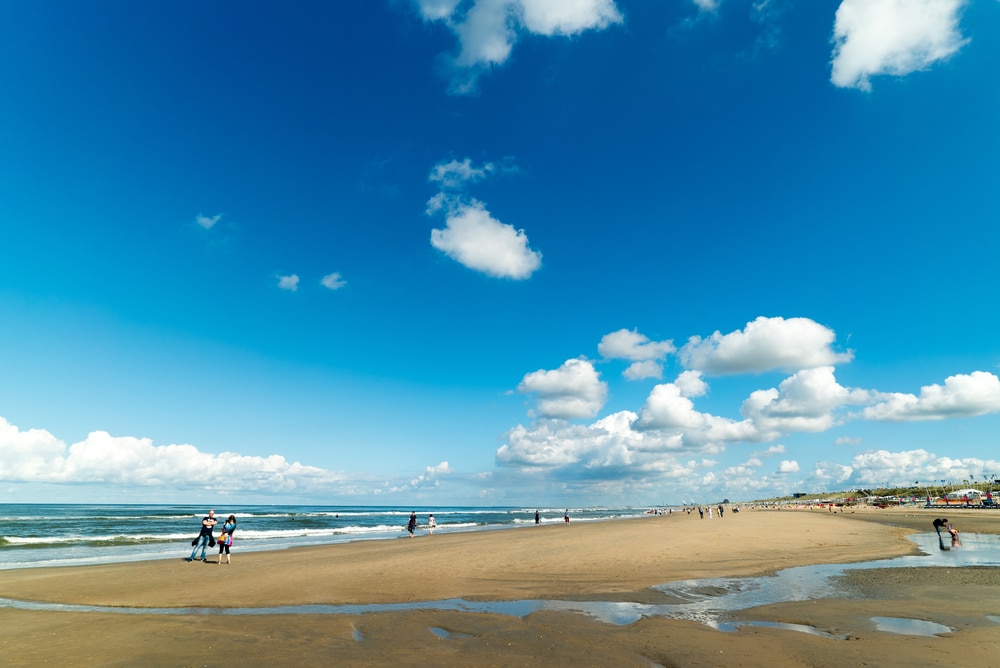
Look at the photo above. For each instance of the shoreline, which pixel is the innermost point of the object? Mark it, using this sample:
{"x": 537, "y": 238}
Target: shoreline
{"x": 618, "y": 561}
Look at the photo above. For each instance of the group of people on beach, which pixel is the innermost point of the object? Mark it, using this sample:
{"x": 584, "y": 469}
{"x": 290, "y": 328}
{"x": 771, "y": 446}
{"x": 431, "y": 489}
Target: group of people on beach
{"x": 411, "y": 525}
{"x": 206, "y": 539}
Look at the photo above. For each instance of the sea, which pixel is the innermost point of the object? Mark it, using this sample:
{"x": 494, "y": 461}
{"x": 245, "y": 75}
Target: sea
{"x": 40, "y": 535}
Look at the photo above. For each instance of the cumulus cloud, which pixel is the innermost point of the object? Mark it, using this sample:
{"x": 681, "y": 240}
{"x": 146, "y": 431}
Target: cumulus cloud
{"x": 669, "y": 408}
{"x": 29, "y": 455}
{"x": 556, "y": 443}
{"x": 765, "y": 344}
{"x": 488, "y": 29}
{"x": 788, "y": 466}
{"x": 877, "y": 467}
{"x": 207, "y": 222}
{"x": 964, "y": 395}
{"x": 37, "y": 456}
{"x": 436, "y": 10}
{"x": 290, "y": 283}
{"x": 430, "y": 478}
{"x": 825, "y": 474}
{"x": 895, "y": 37}
{"x": 641, "y": 370}
{"x": 649, "y": 442}
{"x": 804, "y": 402}
{"x": 455, "y": 174}
{"x": 569, "y": 17}
{"x": 474, "y": 238}
{"x": 607, "y": 449}
{"x": 772, "y": 450}
{"x": 644, "y": 354}
{"x": 333, "y": 281}
{"x": 574, "y": 390}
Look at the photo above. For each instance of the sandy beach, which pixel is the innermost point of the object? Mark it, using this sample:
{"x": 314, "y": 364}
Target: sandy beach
{"x": 600, "y": 561}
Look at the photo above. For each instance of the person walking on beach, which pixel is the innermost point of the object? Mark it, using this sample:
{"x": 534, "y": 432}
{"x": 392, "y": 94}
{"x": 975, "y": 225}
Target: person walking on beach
{"x": 204, "y": 539}
{"x": 701, "y": 513}
{"x": 720, "y": 511}
{"x": 431, "y": 525}
{"x": 411, "y": 526}
{"x": 538, "y": 519}
{"x": 226, "y": 539}
{"x": 566, "y": 516}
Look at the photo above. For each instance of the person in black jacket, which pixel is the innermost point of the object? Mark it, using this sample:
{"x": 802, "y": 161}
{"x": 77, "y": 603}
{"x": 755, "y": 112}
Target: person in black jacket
{"x": 204, "y": 539}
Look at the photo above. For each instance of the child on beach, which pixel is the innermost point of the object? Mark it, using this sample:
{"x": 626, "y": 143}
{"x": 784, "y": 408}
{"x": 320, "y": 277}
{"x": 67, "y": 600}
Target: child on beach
{"x": 431, "y": 524}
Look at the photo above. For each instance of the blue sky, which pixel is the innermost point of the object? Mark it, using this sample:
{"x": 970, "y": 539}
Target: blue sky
{"x": 496, "y": 252}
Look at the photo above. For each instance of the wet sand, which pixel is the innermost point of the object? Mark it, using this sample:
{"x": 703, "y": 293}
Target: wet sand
{"x": 616, "y": 561}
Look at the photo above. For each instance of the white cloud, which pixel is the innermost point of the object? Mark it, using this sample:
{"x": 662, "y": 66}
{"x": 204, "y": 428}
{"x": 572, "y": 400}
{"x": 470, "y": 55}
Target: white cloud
{"x": 567, "y": 17}
{"x": 646, "y": 445}
{"x": 910, "y": 466}
{"x": 430, "y": 478}
{"x": 29, "y": 455}
{"x": 607, "y": 449}
{"x": 772, "y": 450}
{"x": 436, "y": 10}
{"x": 788, "y": 466}
{"x": 208, "y": 222}
{"x": 631, "y": 345}
{"x": 488, "y": 29}
{"x": 895, "y": 37}
{"x": 290, "y": 283}
{"x": 964, "y": 395}
{"x": 333, "y": 281}
{"x": 691, "y": 384}
{"x": 668, "y": 408}
{"x": 554, "y": 443}
{"x": 707, "y": 5}
{"x": 644, "y": 354}
{"x": 36, "y": 456}
{"x": 475, "y": 239}
{"x": 764, "y": 345}
{"x": 806, "y": 401}
{"x": 826, "y": 474}
{"x": 574, "y": 390}
{"x": 641, "y": 370}
{"x": 455, "y": 174}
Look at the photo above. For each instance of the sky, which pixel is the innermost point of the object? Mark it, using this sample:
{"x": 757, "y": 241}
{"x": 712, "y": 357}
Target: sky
{"x": 496, "y": 252}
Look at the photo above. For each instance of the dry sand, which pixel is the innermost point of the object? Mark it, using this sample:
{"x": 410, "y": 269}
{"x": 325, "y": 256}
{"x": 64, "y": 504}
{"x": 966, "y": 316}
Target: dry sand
{"x": 615, "y": 561}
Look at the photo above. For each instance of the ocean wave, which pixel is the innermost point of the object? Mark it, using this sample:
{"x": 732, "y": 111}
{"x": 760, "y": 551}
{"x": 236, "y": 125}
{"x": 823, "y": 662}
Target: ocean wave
{"x": 35, "y": 542}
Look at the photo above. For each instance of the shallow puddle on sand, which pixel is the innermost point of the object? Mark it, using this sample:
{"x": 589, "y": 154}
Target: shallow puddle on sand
{"x": 729, "y": 627}
{"x": 445, "y": 634}
{"x": 910, "y": 627}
